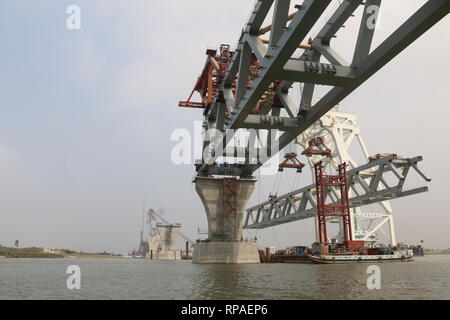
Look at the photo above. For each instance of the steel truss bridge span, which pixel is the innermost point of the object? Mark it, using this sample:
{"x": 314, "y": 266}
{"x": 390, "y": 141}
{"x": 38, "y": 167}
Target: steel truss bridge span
{"x": 369, "y": 184}
{"x": 234, "y": 102}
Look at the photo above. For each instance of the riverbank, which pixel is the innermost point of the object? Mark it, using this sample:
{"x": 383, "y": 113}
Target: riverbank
{"x": 436, "y": 253}
{"x": 28, "y": 253}
{"x": 14, "y": 253}
{"x": 93, "y": 256}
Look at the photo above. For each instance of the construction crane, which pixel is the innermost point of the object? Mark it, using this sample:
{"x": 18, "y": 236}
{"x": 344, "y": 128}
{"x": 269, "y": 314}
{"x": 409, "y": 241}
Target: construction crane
{"x": 152, "y": 214}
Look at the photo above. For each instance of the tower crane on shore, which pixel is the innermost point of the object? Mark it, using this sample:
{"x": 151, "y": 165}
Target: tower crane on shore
{"x": 152, "y": 214}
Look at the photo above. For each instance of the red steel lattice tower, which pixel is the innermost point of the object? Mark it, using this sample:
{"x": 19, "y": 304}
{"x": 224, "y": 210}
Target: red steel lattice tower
{"x": 340, "y": 209}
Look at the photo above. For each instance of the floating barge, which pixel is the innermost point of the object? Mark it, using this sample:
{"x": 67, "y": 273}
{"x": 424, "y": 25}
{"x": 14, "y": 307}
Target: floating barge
{"x": 365, "y": 255}
{"x": 296, "y": 254}
{"x": 293, "y": 258}
{"x": 396, "y": 256}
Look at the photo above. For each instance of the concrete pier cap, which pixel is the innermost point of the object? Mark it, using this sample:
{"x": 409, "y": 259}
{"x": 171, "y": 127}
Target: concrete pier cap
{"x": 225, "y": 200}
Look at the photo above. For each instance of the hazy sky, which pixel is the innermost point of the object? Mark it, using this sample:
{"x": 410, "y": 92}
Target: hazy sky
{"x": 86, "y": 118}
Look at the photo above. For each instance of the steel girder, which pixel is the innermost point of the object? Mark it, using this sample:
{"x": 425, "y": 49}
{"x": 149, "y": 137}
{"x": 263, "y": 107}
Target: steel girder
{"x": 231, "y": 108}
{"x": 369, "y": 183}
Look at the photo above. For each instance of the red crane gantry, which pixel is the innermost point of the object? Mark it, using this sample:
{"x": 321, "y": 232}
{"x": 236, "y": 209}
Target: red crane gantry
{"x": 341, "y": 209}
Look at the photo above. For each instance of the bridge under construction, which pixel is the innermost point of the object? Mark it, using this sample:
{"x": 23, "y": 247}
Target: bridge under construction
{"x": 249, "y": 89}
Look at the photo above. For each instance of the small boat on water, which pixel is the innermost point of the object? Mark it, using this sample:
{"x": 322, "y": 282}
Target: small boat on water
{"x": 394, "y": 256}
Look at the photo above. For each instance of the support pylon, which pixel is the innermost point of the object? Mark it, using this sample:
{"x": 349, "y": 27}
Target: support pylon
{"x": 224, "y": 200}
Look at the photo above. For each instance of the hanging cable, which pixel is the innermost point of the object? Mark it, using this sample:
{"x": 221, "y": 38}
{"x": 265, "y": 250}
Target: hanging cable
{"x": 259, "y": 200}
{"x": 307, "y": 229}
{"x": 276, "y": 185}
{"x": 279, "y": 182}
{"x": 295, "y": 182}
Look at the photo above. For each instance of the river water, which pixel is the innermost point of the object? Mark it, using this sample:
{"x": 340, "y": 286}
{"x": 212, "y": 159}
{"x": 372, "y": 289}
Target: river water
{"x": 426, "y": 278}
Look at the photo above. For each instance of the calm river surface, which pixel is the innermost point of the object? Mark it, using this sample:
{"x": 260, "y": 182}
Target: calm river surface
{"x": 426, "y": 278}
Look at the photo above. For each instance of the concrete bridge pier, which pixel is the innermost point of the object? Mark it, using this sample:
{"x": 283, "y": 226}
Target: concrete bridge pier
{"x": 225, "y": 200}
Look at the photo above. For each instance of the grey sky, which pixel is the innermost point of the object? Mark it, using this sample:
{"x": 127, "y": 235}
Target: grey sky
{"x": 86, "y": 118}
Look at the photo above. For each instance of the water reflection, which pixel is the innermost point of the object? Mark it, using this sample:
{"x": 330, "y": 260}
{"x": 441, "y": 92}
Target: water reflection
{"x": 340, "y": 282}
{"x": 222, "y": 282}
